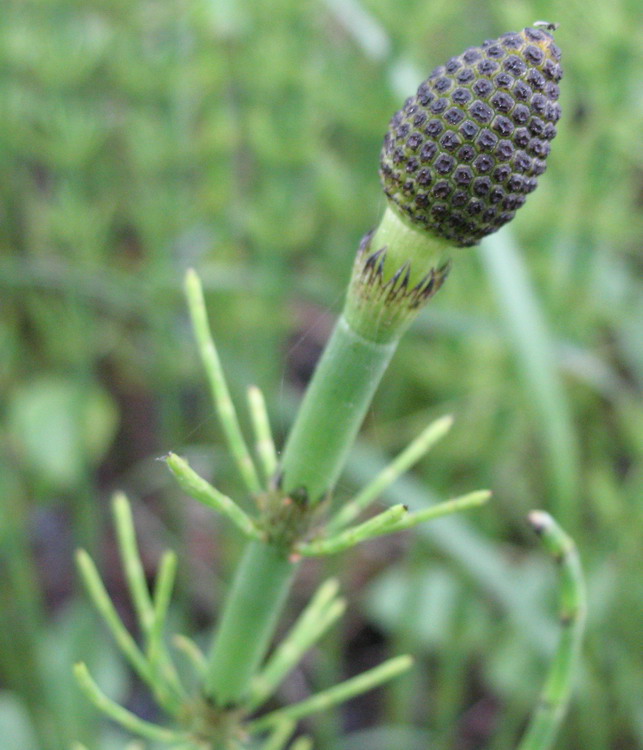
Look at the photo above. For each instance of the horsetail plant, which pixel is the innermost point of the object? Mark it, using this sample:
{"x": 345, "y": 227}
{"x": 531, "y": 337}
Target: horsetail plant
{"x": 457, "y": 162}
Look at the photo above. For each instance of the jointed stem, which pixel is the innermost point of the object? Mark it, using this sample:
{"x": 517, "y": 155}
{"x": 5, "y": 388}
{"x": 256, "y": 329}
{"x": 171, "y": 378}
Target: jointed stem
{"x": 379, "y": 308}
{"x": 547, "y": 717}
{"x": 328, "y": 420}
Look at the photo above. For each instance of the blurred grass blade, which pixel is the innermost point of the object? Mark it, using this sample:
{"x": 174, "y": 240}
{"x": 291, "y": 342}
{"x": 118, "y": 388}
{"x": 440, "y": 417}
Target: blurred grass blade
{"x": 534, "y": 351}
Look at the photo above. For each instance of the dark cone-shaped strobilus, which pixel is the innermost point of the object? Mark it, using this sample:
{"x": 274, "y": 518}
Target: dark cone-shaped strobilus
{"x": 462, "y": 155}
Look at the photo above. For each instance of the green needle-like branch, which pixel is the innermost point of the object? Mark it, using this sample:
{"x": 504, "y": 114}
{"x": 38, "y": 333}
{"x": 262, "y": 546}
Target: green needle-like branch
{"x": 134, "y": 573}
{"x": 280, "y": 736}
{"x": 322, "y": 611}
{"x": 192, "y": 653}
{"x": 335, "y": 695}
{"x": 121, "y": 715}
{"x": 100, "y": 598}
{"x": 151, "y": 615}
{"x": 157, "y": 653}
{"x": 263, "y": 436}
{"x": 162, "y": 594}
{"x": 403, "y": 462}
{"x": 383, "y": 523}
{"x": 542, "y": 730}
{"x": 457, "y": 504}
{"x": 195, "y": 486}
{"x": 218, "y": 385}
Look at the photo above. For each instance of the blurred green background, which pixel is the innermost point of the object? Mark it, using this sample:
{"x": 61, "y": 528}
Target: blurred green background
{"x": 138, "y": 138}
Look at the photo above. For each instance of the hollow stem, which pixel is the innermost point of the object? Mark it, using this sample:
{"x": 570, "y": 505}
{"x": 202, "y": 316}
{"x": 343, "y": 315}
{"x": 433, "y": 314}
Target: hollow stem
{"x": 326, "y": 425}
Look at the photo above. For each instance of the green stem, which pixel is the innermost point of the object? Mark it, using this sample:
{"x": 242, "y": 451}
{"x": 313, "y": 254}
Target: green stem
{"x": 251, "y": 612}
{"x": 547, "y": 717}
{"x": 333, "y": 410}
{"x": 327, "y": 423}
{"x": 326, "y": 426}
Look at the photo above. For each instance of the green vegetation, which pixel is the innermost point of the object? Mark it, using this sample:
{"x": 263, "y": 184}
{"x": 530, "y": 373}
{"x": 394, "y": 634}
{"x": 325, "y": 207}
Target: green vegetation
{"x": 141, "y": 138}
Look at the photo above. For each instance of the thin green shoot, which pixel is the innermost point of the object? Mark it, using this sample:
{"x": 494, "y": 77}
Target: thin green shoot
{"x": 130, "y": 556}
{"x": 383, "y": 523}
{"x": 100, "y": 598}
{"x": 402, "y": 463}
{"x": 264, "y": 442}
{"x": 192, "y": 653}
{"x": 302, "y": 743}
{"x": 549, "y": 713}
{"x": 121, "y": 715}
{"x": 456, "y": 505}
{"x": 157, "y": 654}
{"x": 340, "y": 693}
{"x": 323, "y": 610}
{"x": 280, "y": 736}
{"x": 195, "y": 486}
{"x": 218, "y": 385}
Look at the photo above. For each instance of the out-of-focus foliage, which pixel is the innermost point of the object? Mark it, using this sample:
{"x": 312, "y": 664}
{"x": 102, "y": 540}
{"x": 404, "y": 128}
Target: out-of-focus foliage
{"x": 138, "y": 138}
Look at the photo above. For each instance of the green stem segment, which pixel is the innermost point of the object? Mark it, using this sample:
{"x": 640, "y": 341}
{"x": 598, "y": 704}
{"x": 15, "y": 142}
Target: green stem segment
{"x": 333, "y": 410}
{"x": 327, "y": 423}
{"x": 543, "y": 728}
{"x": 251, "y": 612}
